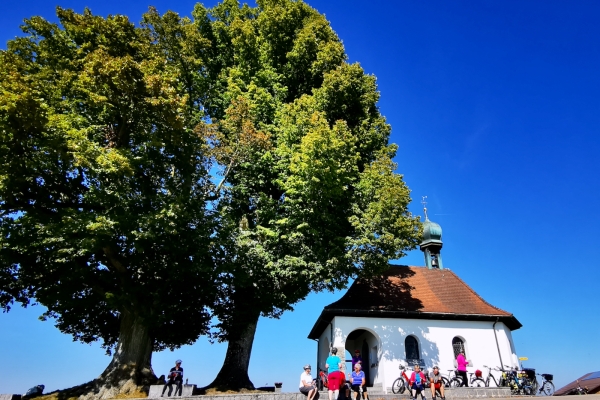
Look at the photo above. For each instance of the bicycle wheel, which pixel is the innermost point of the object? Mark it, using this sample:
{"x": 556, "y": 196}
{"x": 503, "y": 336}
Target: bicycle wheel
{"x": 398, "y": 386}
{"x": 455, "y": 382}
{"x": 478, "y": 382}
{"x": 534, "y": 386}
{"x": 445, "y": 382}
{"x": 548, "y": 388}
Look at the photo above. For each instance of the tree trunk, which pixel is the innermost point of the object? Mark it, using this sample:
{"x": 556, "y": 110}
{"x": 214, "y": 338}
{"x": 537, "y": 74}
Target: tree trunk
{"x": 130, "y": 370}
{"x": 234, "y": 372}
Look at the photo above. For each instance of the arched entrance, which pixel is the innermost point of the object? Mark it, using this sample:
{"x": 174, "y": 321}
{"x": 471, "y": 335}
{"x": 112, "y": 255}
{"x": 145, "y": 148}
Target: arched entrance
{"x": 368, "y": 345}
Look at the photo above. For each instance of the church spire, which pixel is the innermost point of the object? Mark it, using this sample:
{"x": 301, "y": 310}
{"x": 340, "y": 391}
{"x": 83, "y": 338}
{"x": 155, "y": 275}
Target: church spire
{"x": 431, "y": 245}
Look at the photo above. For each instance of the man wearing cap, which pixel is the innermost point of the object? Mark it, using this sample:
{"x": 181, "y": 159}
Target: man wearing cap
{"x": 175, "y": 377}
{"x": 435, "y": 379}
{"x": 307, "y": 385}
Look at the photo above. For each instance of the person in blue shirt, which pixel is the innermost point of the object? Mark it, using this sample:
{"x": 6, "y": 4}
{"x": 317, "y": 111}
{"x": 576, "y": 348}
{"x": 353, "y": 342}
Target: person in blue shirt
{"x": 359, "y": 382}
{"x": 333, "y": 365}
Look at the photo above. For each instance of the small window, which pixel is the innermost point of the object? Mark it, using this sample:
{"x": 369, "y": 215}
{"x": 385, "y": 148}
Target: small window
{"x": 458, "y": 345}
{"x": 412, "y": 348}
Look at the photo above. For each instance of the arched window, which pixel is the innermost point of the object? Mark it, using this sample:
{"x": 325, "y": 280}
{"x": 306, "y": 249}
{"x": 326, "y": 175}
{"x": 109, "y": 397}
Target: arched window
{"x": 458, "y": 345}
{"x": 412, "y": 348}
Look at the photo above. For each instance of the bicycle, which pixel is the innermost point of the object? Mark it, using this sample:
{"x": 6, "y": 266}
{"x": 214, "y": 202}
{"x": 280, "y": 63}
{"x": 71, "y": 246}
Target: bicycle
{"x": 400, "y": 384}
{"x": 454, "y": 382}
{"x": 491, "y": 377}
{"x": 322, "y": 380}
{"x": 547, "y": 386}
{"x": 520, "y": 382}
{"x": 476, "y": 381}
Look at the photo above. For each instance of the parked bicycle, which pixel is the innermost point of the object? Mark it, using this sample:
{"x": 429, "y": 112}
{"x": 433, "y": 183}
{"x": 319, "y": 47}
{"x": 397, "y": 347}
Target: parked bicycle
{"x": 322, "y": 380}
{"x": 547, "y": 386}
{"x": 490, "y": 377}
{"x": 521, "y": 382}
{"x": 578, "y": 390}
{"x": 402, "y": 383}
{"x": 474, "y": 380}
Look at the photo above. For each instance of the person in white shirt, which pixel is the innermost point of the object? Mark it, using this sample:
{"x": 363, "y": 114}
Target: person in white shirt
{"x": 307, "y": 386}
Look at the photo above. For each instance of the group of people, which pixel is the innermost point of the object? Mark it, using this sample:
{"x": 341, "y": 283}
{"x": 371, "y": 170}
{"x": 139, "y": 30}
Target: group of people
{"x": 418, "y": 379}
{"x": 336, "y": 378}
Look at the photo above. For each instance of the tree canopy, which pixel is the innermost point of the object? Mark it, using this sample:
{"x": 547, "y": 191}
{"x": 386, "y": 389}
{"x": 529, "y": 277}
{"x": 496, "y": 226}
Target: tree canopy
{"x": 154, "y": 176}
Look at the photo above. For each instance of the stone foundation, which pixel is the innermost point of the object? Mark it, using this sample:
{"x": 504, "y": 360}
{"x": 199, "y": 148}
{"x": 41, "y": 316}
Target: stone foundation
{"x": 455, "y": 393}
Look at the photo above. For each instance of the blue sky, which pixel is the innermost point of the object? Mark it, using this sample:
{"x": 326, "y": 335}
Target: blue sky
{"x": 496, "y": 108}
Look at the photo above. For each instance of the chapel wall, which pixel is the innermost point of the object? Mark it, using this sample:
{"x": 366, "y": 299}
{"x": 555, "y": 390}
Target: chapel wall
{"x": 435, "y": 342}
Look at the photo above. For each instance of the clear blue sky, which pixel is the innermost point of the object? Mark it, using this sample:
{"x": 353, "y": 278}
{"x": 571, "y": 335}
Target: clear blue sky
{"x": 496, "y": 108}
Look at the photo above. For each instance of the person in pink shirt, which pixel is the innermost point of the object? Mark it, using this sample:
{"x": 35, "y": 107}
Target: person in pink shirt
{"x": 462, "y": 363}
{"x": 417, "y": 383}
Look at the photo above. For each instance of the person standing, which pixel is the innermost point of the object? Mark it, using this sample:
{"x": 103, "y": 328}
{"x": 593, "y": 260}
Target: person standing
{"x": 175, "y": 378}
{"x": 333, "y": 365}
{"x": 307, "y": 386}
{"x": 461, "y": 367}
{"x": 435, "y": 379}
{"x": 356, "y": 359}
{"x": 359, "y": 382}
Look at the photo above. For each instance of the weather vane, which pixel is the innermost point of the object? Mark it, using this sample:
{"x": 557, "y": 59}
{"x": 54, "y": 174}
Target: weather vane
{"x": 424, "y": 206}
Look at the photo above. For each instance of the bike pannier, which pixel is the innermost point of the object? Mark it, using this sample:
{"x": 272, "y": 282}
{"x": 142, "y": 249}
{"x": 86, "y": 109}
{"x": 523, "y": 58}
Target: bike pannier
{"x": 530, "y": 373}
{"x": 548, "y": 377}
{"x": 478, "y": 373}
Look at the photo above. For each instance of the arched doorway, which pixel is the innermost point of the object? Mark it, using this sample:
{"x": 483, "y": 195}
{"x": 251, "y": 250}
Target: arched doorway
{"x": 368, "y": 345}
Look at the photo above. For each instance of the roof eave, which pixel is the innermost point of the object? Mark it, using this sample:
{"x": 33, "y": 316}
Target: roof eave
{"x": 329, "y": 313}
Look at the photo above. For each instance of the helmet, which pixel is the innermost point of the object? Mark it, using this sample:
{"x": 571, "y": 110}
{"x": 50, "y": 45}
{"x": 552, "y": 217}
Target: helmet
{"x": 334, "y": 350}
{"x": 178, "y": 362}
{"x": 307, "y": 366}
{"x": 357, "y": 365}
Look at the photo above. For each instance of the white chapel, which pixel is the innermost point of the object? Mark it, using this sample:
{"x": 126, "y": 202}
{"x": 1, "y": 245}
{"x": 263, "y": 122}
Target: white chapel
{"x": 415, "y": 314}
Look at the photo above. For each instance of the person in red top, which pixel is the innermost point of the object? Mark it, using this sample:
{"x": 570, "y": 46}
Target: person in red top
{"x": 417, "y": 382}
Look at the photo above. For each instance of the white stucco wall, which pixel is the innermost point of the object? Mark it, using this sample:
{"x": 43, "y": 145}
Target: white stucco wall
{"x": 387, "y": 336}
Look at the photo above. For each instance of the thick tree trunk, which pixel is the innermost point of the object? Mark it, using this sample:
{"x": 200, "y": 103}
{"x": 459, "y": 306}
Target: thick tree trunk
{"x": 130, "y": 370}
{"x": 234, "y": 372}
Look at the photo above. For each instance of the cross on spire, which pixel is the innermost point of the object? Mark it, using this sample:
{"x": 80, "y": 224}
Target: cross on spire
{"x": 425, "y": 207}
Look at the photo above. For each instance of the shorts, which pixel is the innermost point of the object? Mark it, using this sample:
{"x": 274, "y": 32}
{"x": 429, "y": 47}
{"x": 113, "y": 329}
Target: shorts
{"x": 437, "y": 385}
{"x": 335, "y": 380}
{"x": 356, "y": 388}
{"x": 305, "y": 389}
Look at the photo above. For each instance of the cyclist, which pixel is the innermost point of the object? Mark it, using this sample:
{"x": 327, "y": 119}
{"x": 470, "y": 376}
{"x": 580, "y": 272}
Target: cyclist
{"x": 417, "y": 382}
{"x": 333, "y": 365}
{"x": 435, "y": 378}
{"x": 307, "y": 386}
{"x": 356, "y": 359}
{"x": 462, "y": 363}
{"x": 359, "y": 382}
{"x": 176, "y": 378}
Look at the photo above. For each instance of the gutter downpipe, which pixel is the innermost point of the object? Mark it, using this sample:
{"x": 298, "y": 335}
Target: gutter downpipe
{"x": 497, "y": 345}
{"x": 330, "y": 336}
{"x": 317, "y": 364}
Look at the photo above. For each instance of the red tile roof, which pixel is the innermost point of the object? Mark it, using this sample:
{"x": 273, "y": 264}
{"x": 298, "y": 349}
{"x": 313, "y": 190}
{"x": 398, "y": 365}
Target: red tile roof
{"x": 413, "y": 292}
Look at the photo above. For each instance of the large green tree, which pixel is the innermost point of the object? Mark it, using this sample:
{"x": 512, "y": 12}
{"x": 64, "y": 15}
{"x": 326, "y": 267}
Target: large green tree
{"x": 224, "y": 165}
{"x": 105, "y": 193}
{"x": 309, "y": 197}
